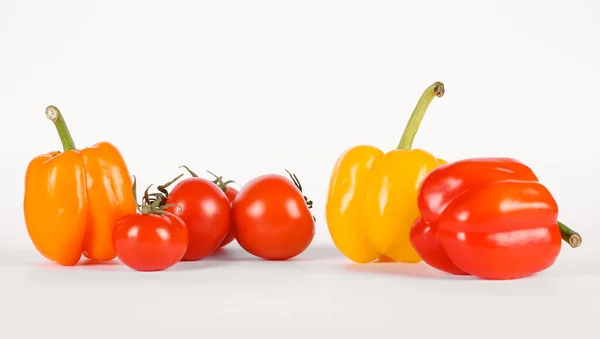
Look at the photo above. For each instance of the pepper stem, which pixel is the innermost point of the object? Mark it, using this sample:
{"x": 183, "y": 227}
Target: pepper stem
{"x": 54, "y": 114}
{"x": 570, "y": 236}
{"x": 412, "y": 126}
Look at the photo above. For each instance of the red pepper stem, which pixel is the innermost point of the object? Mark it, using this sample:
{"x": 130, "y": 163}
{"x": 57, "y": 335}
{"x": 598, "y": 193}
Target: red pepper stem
{"x": 412, "y": 126}
{"x": 571, "y": 237}
{"x": 54, "y": 114}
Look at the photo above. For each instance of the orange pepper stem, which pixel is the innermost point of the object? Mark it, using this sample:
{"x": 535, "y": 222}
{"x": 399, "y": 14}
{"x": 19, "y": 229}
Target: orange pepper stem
{"x": 412, "y": 126}
{"x": 570, "y": 236}
{"x": 54, "y": 114}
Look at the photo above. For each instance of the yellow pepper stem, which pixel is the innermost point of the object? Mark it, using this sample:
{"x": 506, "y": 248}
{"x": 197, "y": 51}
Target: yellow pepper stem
{"x": 54, "y": 114}
{"x": 435, "y": 90}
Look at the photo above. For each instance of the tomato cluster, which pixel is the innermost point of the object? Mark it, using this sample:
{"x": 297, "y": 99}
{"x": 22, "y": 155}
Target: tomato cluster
{"x": 269, "y": 217}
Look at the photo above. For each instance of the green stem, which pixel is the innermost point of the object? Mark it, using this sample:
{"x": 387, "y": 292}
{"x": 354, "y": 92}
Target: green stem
{"x": 149, "y": 206}
{"x": 163, "y": 188}
{"x": 571, "y": 237}
{"x": 189, "y": 171}
{"x": 412, "y": 126}
{"x": 219, "y": 181}
{"x": 134, "y": 191}
{"x": 296, "y": 182}
{"x": 54, "y": 114}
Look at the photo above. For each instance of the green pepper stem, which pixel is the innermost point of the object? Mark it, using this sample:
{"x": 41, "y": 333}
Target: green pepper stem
{"x": 412, "y": 126}
{"x": 54, "y": 114}
{"x": 571, "y": 237}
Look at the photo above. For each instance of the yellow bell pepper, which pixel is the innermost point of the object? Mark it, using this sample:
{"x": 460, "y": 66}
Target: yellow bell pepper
{"x": 372, "y": 198}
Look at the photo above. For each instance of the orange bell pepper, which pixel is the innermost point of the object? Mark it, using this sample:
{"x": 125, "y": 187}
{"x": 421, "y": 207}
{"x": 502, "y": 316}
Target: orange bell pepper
{"x": 73, "y": 199}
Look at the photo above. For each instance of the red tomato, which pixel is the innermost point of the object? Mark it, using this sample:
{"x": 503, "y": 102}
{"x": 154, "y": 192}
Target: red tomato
{"x": 204, "y": 208}
{"x": 231, "y": 193}
{"x": 271, "y": 218}
{"x": 150, "y": 242}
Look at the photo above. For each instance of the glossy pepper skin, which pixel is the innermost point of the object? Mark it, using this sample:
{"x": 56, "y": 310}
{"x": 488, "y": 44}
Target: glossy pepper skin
{"x": 73, "y": 199}
{"x": 372, "y": 198}
{"x": 488, "y": 217}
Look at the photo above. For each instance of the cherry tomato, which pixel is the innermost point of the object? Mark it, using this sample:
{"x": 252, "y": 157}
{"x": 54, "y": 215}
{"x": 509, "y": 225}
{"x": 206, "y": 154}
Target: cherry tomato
{"x": 271, "y": 218}
{"x": 204, "y": 208}
{"x": 150, "y": 242}
{"x": 231, "y": 193}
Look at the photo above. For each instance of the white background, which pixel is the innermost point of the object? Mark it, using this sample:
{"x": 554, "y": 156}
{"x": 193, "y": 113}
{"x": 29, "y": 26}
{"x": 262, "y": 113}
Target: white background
{"x": 245, "y": 88}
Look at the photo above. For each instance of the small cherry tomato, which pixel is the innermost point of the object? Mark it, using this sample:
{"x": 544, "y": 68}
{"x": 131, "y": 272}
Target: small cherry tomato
{"x": 151, "y": 241}
{"x": 272, "y": 218}
{"x": 204, "y": 208}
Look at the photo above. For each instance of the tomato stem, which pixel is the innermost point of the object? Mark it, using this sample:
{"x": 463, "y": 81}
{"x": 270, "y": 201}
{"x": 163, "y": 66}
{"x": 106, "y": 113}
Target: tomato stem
{"x": 219, "y": 181}
{"x": 54, "y": 114}
{"x": 190, "y": 171}
{"x": 570, "y": 236}
{"x": 412, "y": 126}
{"x": 161, "y": 208}
{"x": 296, "y": 182}
{"x": 134, "y": 189}
{"x": 163, "y": 188}
{"x": 146, "y": 197}
{"x": 148, "y": 205}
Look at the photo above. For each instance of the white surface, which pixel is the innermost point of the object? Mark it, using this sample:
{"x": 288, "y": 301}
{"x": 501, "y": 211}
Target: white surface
{"x": 293, "y": 85}
{"x": 317, "y": 295}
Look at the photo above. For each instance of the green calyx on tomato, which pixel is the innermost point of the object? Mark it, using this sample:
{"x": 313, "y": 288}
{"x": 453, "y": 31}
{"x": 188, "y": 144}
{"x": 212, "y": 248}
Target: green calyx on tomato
{"x": 164, "y": 194}
{"x": 217, "y": 181}
{"x": 152, "y": 203}
{"x": 296, "y": 182}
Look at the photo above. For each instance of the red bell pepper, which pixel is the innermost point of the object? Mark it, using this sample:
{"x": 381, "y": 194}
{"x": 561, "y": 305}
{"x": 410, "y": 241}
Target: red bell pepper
{"x": 490, "y": 218}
